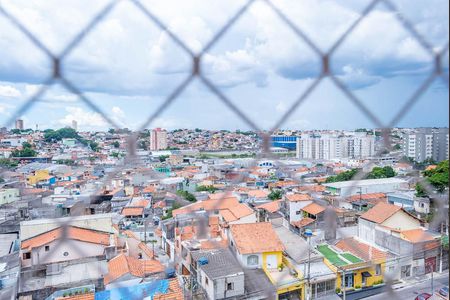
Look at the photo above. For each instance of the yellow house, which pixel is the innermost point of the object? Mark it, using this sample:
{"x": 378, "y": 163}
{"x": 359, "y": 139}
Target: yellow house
{"x": 257, "y": 246}
{"x": 357, "y": 265}
{"x": 38, "y": 176}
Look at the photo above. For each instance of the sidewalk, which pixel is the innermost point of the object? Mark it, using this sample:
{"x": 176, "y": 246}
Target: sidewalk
{"x": 417, "y": 280}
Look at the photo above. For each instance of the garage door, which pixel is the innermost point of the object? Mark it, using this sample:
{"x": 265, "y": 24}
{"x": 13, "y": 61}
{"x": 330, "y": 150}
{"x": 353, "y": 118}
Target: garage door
{"x": 271, "y": 262}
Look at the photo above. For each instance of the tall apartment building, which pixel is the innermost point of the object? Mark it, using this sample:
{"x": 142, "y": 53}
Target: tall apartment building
{"x": 158, "y": 139}
{"x": 19, "y": 124}
{"x": 424, "y": 143}
{"x": 333, "y": 146}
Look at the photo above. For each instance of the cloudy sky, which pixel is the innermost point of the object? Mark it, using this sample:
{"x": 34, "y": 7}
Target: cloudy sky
{"x": 127, "y": 66}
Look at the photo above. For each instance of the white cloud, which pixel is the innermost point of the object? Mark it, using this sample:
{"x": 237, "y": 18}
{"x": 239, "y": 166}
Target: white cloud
{"x": 85, "y": 119}
{"x": 9, "y": 91}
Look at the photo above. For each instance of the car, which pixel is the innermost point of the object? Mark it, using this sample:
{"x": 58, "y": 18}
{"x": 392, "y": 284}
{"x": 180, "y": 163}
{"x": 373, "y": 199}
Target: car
{"x": 423, "y": 296}
{"x": 443, "y": 291}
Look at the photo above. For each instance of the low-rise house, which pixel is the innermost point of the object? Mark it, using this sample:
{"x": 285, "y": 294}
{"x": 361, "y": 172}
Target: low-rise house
{"x": 218, "y": 273}
{"x": 292, "y": 205}
{"x": 357, "y": 265}
{"x": 410, "y": 202}
{"x": 9, "y": 195}
{"x": 257, "y": 246}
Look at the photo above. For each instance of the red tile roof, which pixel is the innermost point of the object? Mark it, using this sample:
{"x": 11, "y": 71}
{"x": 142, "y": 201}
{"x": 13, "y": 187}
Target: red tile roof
{"x": 298, "y": 197}
{"x": 255, "y": 238}
{"x": 72, "y": 233}
{"x": 122, "y": 265}
{"x": 360, "y": 249}
{"x": 271, "y": 207}
{"x": 314, "y": 209}
{"x": 380, "y": 212}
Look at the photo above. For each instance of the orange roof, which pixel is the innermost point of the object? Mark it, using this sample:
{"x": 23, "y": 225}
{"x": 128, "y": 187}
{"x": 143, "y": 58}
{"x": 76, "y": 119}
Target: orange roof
{"x": 235, "y": 213}
{"x": 71, "y": 232}
{"x": 149, "y": 189}
{"x": 367, "y": 196}
{"x": 380, "y": 212}
{"x": 431, "y": 167}
{"x": 271, "y": 207}
{"x": 258, "y": 193}
{"x": 212, "y": 244}
{"x": 298, "y": 197}
{"x": 313, "y": 209}
{"x": 303, "y": 222}
{"x": 360, "y": 249}
{"x": 140, "y": 203}
{"x": 174, "y": 293}
{"x": 416, "y": 235}
{"x": 312, "y": 188}
{"x": 152, "y": 266}
{"x": 132, "y": 211}
{"x": 217, "y": 196}
{"x": 148, "y": 252}
{"x": 213, "y": 220}
{"x": 255, "y": 238}
{"x": 207, "y": 205}
{"x": 122, "y": 265}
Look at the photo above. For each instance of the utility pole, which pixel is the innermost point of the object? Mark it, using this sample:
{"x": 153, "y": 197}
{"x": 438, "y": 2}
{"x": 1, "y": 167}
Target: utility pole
{"x": 343, "y": 284}
{"x": 308, "y": 233}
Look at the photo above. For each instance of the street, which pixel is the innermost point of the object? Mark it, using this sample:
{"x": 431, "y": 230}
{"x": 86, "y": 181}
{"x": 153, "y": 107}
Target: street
{"x": 410, "y": 292}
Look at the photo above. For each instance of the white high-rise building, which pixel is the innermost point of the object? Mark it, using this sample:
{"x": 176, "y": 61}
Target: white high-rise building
{"x": 334, "y": 146}
{"x": 74, "y": 125}
{"x": 158, "y": 139}
{"x": 426, "y": 143}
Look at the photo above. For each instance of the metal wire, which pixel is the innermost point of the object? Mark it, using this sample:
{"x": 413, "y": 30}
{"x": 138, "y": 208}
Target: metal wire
{"x": 326, "y": 57}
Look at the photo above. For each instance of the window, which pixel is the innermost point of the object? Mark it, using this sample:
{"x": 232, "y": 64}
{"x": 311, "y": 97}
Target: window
{"x": 27, "y": 255}
{"x": 206, "y": 280}
{"x": 378, "y": 269}
{"x": 298, "y": 212}
{"x": 253, "y": 260}
{"x": 230, "y": 286}
{"x": 406, "y": 271}
{"x": 47, "y": 248}
{"x": 66, "y": 253}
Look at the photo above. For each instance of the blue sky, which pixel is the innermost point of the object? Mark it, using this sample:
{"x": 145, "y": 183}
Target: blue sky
{"x": 127, "y": 66}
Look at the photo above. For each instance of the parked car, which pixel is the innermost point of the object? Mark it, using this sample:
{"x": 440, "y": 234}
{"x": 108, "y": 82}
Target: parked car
{"x": 444, "y": 291}
{"x": 423, "y": 296}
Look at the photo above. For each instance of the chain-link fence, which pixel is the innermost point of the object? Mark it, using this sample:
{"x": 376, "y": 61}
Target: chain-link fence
{"x": 60, "y": 63}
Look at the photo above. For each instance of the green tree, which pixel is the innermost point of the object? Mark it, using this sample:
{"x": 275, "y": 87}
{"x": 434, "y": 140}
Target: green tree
{"x": 438, "y": 177}
{"x": 344, "y": 176}
{"x": 206, "y": 188}
{"x": 8, "y": 163}
{"x": 116, "y": 144}
{"x": 378, "y": 172}
{"x": 397, "y": 147}
{"x": 420, "y": 191}
{"x": 26, "y": 151}
{"x": 163, "y": 158}
{"x": 51, "y": 135}
{"x": 275, "y": 195}
{"x": 16, "y": 131}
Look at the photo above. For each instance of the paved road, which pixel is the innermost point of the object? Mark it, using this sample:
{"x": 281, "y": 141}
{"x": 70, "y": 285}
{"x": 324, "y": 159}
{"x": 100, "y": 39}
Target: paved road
{"x": 410, "y": 292}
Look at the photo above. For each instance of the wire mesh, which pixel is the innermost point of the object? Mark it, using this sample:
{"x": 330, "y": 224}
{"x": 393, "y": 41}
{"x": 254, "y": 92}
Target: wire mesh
{"x": 58, "y": 76}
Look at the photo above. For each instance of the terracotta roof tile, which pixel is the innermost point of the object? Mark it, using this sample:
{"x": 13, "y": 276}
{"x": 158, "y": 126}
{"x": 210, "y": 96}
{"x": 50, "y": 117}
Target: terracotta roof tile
{"x": 121, "y": 265}
{"x": 380, "y": 212}
{"x": 298, "y": 197}
{"x": 271, "y": 207}
{"x": 132, "y": 211}
{"x": 416, "y": 235}
{"x": 313, "y": 209}
{"x": 303, "y": 222}
{"x": 255, "y": 238}
{"x": 174, "y": 293}
{"x": 71, "y": 232}
{"x": 360, "y": 249}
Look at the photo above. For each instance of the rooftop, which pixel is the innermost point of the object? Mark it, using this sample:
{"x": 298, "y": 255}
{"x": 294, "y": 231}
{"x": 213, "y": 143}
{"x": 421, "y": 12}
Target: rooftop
{"x": 255, "y": 238}
{"x": 366, "y": 182}
{"x": 221, "y": 263}
{"x": 380, "y": 212}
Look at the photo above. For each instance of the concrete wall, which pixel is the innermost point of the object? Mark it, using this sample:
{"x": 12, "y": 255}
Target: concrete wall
{"x": 217, "y": 289}
{"x": 295, "y": 207}
{"x": 74, "y": 249}
{"x": 402, "y": 221}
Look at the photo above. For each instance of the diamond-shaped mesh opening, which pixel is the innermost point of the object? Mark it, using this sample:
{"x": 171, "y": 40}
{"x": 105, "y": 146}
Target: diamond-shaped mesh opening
{"x": 154, "y": 63}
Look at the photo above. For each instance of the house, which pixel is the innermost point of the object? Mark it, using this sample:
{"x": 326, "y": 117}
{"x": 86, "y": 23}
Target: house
{"x": 357, "y": 265}
{"x": 218, "y": 273}
{"x": 257, "y": 246}
{"x": 385, "y": 215}
{"x": 292, "y": 205}
{"x": 65, "y": 244}
{"x": 410, "y": 202}
{"x": 9, "y": 195}
{"x": 392, "y": 228}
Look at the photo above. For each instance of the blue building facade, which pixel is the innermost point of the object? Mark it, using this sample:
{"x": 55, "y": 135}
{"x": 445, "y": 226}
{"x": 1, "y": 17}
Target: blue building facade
{"x": 288, "y": 142}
